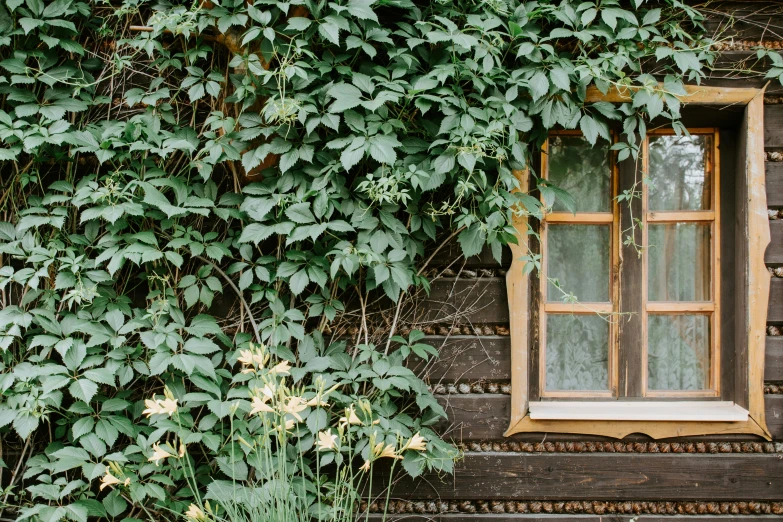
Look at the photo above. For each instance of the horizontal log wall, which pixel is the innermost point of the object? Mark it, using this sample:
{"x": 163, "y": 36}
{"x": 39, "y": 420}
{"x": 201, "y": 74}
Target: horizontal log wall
{"x": 490, "y": 476}
{"x": 511, "y": 517}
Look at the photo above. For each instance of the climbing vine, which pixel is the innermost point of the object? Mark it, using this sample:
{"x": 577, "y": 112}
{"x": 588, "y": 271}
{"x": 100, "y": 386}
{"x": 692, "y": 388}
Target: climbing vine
{"x": 183, "y": 183}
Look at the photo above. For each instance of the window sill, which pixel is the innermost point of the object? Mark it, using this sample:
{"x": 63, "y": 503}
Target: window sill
{"x": 703, "y": 411}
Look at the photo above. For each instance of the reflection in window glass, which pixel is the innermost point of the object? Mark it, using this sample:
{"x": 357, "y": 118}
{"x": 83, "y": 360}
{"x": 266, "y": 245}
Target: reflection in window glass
{"x": 678, "y": 352}
{"x": 578, "y": 256}
{"x": 577, "y": 353}
{"x": 678, "y": 262}
{"x": 582, "y": 170}
{"x": 677, "y": 178}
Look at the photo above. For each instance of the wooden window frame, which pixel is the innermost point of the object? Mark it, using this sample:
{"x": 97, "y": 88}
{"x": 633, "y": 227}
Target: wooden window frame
{"x": 744, "y": 415}
{"x": 711, "y": 308}
{"x": 611, "y": 219}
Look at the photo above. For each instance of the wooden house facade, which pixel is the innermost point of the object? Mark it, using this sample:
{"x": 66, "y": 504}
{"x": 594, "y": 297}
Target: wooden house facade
{"x": 480, "y": 316}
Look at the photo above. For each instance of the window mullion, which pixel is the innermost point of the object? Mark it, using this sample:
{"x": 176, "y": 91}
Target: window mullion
{"x": 631, "y": 279}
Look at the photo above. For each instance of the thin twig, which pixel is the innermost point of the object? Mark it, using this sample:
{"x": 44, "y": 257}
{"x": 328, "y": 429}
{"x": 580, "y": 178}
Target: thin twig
{"x": 239, "y": 294}
{"x": 435, "y": 252}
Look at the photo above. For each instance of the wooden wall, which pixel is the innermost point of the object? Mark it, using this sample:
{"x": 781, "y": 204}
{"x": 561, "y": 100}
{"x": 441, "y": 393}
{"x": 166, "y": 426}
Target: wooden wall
{"x": 539, "y": 476}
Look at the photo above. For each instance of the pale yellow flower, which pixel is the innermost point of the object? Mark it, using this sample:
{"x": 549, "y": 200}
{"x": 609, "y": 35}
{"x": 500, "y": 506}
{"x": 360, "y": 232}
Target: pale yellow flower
{"x": 252, "y": 357}
{"x": 317, "y": 401}
{"x": 268, "y": 391}
{"x": 365, "y": 466}
{"x": 158, "y": 454}
{"x": 289, "y": 424}
{"x": 383, "y": 450}
{"x": 246, "y": 357}
{"x": 417, "y": 443}
{"x": 182, "y": 450}
{"x": 281, "y": 369}
{"x": 259, "y": 406}
{"x": 350, "y": 416}
{"x": 108, "y": 480}
{"x": 160, "y": 407}
{"x": 326, "y": 441}
{"x": 294, "y": 406}
{"x": 195, "y": 513}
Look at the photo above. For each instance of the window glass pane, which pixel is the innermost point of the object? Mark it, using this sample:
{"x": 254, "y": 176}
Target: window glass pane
{"x": 678, "y": 352}
{"x": 582, "y": 170}
{"x": 677, "y": 179}
{"x": 678, "y": 262}
{"x": 577, "y": 352}
{"x": 578, "y": 257}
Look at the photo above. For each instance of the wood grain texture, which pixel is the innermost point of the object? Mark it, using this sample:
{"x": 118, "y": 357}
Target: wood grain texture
{"x": 758, "y": 278}
{"x": 774, "y": 170}
{"x": 566, "y": 476}
{"x": 483, "y": 301}
{"x": 465, "y": 301}
{"x": 518, "y": 290}
{"x": 544, "y": 517}
{"x": 774, "y": 253}
{"x": 696, "y": 94}
{"x": 773, "y": 365}
{"x": 773, "y": 126}
{"x": 775, "y": 309}
{"x": 485, "y": 417}
{"x": 468, "y": 358}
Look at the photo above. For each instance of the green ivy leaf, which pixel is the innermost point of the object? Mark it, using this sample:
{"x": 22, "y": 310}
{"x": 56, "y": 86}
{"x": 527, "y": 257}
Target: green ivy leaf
{"x": 83, "y": 389}
{"x": 300, "y": 213}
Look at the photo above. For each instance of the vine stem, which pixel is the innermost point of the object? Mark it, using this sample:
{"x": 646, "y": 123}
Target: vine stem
{"x": 15, "y": 474}
{"x": 435, "y": 252}
{"x": 402, "y": 296}
{"x": 239, "y": 294}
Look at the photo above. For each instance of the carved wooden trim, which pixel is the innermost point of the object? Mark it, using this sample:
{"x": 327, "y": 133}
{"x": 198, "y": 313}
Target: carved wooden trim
{"x": 517, "y": 284}
{"x": 757, "y": 286}
{"x": 758, "y": 277}
{"x": 696, "y": 94}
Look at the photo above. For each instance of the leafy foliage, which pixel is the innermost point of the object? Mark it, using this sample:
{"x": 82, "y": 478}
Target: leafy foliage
{"x": 368, "y": 127}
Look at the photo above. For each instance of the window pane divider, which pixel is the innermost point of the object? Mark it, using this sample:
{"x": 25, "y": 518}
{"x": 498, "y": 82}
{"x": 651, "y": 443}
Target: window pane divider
{"x": 679, "y": 307}
{"x": 688, "y": 216}
{"x": 588, "y": 218}
{"x": 579, "y": 308}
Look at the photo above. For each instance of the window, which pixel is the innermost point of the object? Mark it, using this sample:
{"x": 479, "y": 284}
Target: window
{"x": 626, "y": 324}
{"x": 583, "y": 304}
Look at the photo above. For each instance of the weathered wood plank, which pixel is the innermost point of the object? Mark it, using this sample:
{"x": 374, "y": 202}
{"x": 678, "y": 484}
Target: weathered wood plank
{"x": 475, "y": 417}
{"x": 483, "y": 301}
{"x": 774, "y": 253}
{"x": 741, "y": 20}
{"x": 543, "y": 517}
{"x": 773, "y": 363}
{"x": 774, "y": 171}
{"x": 465, "y": 301}
{"x": 773, "y": 406}
{"x": 567, "y": 476}
{"x": 773, "y": 126}
{"x": 470, "y": 358}
{"x": 467, "y": 358}
{"x": 775, "y": 310}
